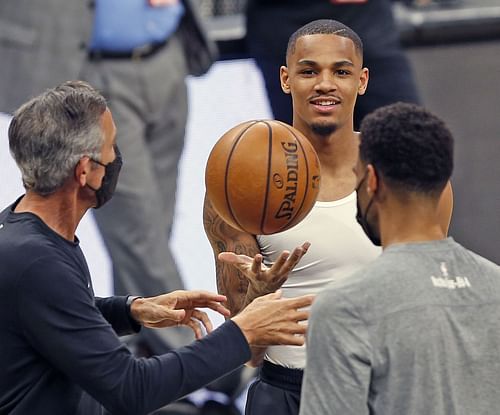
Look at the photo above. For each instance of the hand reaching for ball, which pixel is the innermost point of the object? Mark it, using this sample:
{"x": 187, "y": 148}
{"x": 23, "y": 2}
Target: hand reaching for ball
{"x": 179, "y": 308}
{"x": 263, "y": 279}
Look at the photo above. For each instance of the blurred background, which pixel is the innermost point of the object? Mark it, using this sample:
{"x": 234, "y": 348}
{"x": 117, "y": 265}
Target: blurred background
{"x": 454, "y": 50}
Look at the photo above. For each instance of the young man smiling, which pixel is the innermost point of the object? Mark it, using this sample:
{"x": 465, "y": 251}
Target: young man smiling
{"x": 324, "y": 74}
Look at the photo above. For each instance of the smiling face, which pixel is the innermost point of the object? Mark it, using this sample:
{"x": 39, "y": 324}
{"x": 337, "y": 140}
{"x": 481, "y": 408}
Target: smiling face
{"x": 324, "y": 75}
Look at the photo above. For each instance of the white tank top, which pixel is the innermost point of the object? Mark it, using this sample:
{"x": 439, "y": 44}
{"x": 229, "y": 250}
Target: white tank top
{"x": 338, "y": 248}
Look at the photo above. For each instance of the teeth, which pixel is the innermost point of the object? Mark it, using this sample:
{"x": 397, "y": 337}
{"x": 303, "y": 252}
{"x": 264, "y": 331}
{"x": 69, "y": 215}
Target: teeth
{"x": 325, "y": 103}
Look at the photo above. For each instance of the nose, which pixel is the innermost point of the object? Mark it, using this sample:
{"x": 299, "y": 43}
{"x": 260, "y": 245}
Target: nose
{"x": 326, "y": 82}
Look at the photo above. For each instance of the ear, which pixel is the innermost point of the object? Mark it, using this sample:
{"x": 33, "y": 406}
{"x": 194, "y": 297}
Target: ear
{"x": 284, "y": 79}
{"x": 82, "y": 169}
{"x": 372, "y": 180}
{"x": 363, "y": 81}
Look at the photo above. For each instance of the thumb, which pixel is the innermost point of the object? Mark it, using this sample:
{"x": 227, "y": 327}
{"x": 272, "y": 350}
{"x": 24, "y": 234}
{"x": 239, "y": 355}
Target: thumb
{"x": 229, "y": 257}
{"x": 176, "y": 315}
{"x": 234, "y": 259}
{"x": 224, "y": 256}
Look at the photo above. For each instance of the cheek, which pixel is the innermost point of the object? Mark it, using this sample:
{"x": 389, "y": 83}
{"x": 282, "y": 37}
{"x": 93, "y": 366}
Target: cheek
{"x": 351, "y": 90}
{"x": 300, "y": 89}
{"x": 299, "y": 98}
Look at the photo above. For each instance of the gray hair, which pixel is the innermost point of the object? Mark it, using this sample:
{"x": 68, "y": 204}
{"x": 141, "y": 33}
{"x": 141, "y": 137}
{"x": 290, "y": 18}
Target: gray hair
{"x": 49, "y": 134}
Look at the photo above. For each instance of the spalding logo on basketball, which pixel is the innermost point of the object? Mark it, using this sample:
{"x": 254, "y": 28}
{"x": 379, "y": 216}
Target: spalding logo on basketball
{"x": 262, "y": 177}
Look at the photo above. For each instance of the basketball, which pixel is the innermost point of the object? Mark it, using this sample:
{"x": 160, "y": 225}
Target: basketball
{"x": 262, "y": 177}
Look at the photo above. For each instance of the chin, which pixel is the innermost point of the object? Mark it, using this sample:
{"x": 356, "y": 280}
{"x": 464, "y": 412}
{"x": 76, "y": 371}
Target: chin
{"x": 323, "y": 129}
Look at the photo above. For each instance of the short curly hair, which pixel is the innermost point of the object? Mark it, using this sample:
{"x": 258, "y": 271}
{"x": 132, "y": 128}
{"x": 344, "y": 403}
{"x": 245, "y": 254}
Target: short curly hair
{"x": 409, "y": 146}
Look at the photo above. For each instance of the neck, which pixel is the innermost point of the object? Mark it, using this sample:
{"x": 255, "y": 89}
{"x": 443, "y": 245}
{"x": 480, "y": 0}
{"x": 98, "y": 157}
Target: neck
{"x": 59, "y": 211}
{"x": 338, "y": 148}
{"x": 415, "y": 221}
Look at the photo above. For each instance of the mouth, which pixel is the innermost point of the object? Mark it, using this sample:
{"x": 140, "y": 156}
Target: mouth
{"x": 324, "y": 104}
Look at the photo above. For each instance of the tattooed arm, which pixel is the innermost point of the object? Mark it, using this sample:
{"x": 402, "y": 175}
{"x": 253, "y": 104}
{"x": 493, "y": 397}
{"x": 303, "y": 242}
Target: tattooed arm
{"x": 230, "y": 281}
{"x": 241, "y": 273}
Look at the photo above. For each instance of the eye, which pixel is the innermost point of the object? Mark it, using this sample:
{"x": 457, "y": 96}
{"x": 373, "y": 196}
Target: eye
{"x": 307, "y": 72}
{"x": 343, "y": 72}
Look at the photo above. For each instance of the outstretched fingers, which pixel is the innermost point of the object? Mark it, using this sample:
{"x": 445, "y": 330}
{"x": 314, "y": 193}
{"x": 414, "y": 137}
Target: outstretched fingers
{"x": 280, "y": 262}
{"x": 287, "y": 261}
{"x": 219, "y": 308}
{"x": 196, "y": 298}
{"x": 292, "y": 333}
{"x": 299, "y": 302}
{"x": 198, "y": 320}
{"x": 202, "y": 317}
{"x": 291, "y": 339}
{"x": 256, "y": 267}
{"x": 300, "y": 316}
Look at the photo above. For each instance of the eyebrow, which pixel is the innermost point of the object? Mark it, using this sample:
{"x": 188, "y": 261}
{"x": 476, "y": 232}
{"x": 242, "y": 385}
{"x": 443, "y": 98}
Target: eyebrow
{"x": 305, "y": 62}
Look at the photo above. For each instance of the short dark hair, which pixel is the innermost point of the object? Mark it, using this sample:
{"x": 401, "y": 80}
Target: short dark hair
{"x": 324, "y": 27}
{"x": 409, "y": 146}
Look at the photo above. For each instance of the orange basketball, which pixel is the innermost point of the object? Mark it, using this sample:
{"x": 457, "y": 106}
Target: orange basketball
{"x": 262, "y": 177}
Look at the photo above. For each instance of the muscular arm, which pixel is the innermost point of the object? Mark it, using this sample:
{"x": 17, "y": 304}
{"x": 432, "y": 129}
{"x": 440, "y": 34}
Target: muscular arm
{"x": 241, "y": 275}
{"x": 230, "y": 282}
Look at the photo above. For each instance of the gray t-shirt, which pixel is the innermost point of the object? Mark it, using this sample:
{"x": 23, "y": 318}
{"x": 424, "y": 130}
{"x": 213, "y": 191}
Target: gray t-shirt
{"x": 417, "y": 331}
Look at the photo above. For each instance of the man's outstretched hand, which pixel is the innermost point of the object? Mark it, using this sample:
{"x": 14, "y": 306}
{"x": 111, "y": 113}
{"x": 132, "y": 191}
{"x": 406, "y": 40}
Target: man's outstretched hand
{"x": 264, "y": 279}
{"x": 178, "y": 308}
{"x": 271, "y": 320}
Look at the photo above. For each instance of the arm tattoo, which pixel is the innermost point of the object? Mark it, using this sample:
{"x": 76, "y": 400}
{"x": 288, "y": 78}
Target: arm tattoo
{"x": 223, "y": 237}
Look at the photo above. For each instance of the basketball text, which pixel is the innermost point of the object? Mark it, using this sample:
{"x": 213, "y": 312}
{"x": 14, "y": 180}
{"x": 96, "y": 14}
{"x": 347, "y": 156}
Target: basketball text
{"x": 292, "y": 166}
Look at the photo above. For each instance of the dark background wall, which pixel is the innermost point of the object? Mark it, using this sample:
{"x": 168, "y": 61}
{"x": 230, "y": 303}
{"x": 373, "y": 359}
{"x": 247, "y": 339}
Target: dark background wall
{"x": 460, "y": 82}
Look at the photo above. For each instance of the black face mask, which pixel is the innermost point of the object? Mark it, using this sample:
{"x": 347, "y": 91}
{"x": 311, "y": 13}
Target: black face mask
{"x": 361, "y": 218}
{"x": 108, "y": 184}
